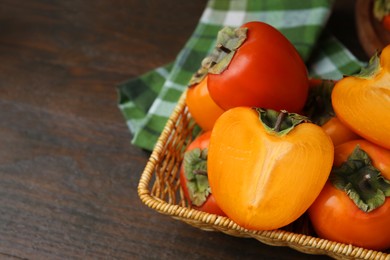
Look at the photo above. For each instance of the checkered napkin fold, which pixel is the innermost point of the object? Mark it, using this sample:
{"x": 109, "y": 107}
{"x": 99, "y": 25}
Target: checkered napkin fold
{"x": 146, "y": 102}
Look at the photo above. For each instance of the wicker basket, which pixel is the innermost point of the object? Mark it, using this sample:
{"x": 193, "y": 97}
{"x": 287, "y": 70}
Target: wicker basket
{"x": 159, "y": 188}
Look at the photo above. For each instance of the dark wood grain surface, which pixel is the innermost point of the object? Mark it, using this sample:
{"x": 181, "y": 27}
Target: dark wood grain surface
{"x": 68, "y": 173}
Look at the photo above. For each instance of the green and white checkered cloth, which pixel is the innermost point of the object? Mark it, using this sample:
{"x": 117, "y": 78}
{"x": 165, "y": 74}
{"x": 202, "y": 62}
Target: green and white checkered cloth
{"x": 146, "y": 102}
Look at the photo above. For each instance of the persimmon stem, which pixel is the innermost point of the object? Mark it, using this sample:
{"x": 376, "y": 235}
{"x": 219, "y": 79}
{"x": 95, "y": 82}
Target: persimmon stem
{"x": 224, "y": 49}
{"x": 282, "y": 115}
{"x": 364, "y": 183}
{"x": 213, "y": 63}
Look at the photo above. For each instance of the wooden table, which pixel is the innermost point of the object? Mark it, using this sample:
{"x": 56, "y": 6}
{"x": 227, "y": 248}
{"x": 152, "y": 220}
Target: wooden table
{"x": 69, "y": 175}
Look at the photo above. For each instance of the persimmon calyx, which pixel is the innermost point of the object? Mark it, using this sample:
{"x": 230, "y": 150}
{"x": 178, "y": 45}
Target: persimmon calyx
{"x": 279, "y": 122}
{"x": 198, "y": 76}
{"x": 381, "y": 9}
{"x": 229, "y": 39}
{"x": 318, "y": 106}
{"x": 361, "y": 181}
{"x": 372, "y": 68}
{"x": 195, "y": 171}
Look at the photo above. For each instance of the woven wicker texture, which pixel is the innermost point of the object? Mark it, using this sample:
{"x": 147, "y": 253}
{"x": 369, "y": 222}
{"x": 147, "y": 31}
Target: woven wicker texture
{"x": 159, "y": 189}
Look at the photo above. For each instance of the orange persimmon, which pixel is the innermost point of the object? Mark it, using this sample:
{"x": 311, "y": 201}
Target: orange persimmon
{"x": 202, "y": 108}
{"x": 338, "y": 132}
{"x": 266, "y": 168}
{"x": 362, "y": 101}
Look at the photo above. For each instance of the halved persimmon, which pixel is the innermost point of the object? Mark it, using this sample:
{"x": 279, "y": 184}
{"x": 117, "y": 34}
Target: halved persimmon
{"x": 266, "y": 168}
{"x": 362, "y": 102}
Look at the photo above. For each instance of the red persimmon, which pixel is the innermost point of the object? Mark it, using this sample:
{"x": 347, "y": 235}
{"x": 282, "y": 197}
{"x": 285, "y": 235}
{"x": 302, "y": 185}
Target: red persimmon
{"x": 354, "y": 205}
{"x": 257, "y": 66}
{"x": 193, "y": 176}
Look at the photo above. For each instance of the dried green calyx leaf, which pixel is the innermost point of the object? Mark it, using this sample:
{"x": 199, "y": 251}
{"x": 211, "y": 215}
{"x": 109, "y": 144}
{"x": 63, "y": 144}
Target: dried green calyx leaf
{"x": 195, "y": 171}
{"x": 361, "y": 181}
{"x": 372, "y": 68}
{"x": 228, "y": 41}
{"x": 279, "y": 122}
